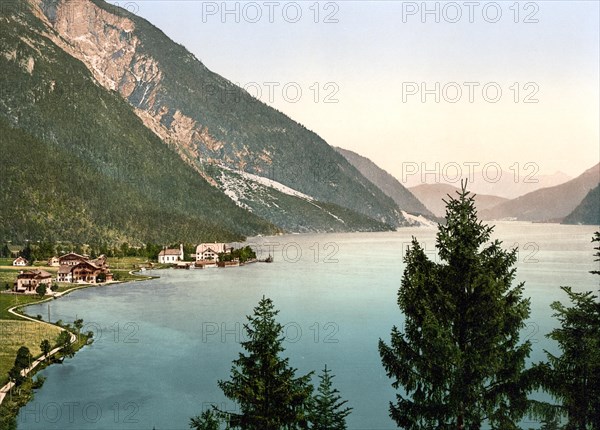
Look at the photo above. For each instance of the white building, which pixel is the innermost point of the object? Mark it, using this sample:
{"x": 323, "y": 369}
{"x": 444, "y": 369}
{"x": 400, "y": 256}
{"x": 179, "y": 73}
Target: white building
{"x": 210, "y": 251}
{"x": 170, "y": 256}
{"x": 54, "y": 262}
{"x": 20, "y": 261}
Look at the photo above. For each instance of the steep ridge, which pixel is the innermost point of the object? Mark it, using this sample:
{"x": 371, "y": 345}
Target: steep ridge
{"x": 588, "y": 211}
{"x": 386, "y": 183}
{"x": 78, "y": 164}
{"x": 203, "y": 116}
{"x": 550, "y": 204}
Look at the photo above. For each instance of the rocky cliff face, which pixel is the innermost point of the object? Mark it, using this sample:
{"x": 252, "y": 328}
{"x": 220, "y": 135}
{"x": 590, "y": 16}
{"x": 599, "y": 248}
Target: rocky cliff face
{"x": 205, "y": 118}
{"x": 107, "y": 44}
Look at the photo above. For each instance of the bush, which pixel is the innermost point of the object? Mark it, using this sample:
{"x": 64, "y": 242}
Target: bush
{"x": 38, "y": 382}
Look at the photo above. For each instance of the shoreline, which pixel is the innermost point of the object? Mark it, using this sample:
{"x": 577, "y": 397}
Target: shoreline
{"x": 35, "y": 366}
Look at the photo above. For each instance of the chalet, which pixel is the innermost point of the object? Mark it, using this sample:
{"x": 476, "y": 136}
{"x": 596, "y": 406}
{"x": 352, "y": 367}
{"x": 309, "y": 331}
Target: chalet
{"x": 20, "y": 261}
{"x": 210, "y": 251}
{"x": 171, "y": 256}
{"x": 28, "y": 281}
{"x": 75, "y": 268}
{"x": 71, "y": 259}
{"x": 54, "y": 262}
{"x": 89, "y": 273}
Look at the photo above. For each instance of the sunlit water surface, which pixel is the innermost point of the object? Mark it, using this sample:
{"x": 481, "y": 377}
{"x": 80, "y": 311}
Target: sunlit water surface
{"x": 161, "y": 345}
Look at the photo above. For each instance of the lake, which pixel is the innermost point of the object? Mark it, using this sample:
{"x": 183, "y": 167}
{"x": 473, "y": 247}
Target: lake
{"x": 161, "y": 345}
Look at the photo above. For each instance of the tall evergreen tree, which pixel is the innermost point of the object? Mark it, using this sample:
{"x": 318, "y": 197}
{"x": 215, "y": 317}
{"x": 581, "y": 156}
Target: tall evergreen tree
{"x": 328, "y": 411}
{"x": 46, "y": 249}
{"x": 265, "y": 387}
{"x": 459, "y": 360}
{"x": 573, "y": 377}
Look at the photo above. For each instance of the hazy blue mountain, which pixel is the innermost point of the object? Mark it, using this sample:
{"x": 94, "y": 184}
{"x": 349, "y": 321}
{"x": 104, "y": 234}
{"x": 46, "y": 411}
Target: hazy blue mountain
{"x": 508, "y": 182}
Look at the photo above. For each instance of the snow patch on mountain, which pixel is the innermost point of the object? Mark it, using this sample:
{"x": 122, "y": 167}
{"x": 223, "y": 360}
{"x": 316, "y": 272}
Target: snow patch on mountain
{"x": 270, "y": 183}
{"x": 242, "y": 186}
{"x": 418, "y": 220}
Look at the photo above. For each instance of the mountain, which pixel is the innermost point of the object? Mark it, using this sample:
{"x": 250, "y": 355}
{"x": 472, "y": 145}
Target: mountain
{"x": 547, "y": 204}
{"x": 386, "y": 183}
{"x": 517, "y": 182}
{"x": 80, "y": 162}
{"x": 77, "y": 163}
{"x": 588, "y": 211}
{"x": 204, "y": 117}
{"x": 288, "y": 208}
{"x": 432, "y": 195}
{"x": 508, "y": 182}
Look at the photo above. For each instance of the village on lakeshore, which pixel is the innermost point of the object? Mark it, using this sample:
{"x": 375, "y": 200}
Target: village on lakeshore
{"x": 208, "y": 255}
{"x": 79, "y": 269}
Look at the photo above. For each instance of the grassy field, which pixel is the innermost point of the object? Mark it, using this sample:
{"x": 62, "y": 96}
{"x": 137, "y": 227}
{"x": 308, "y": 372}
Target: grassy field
{"x": 8, "y": 275}
{"x": 128, "y": 263}
{"x": 10, "y": 300}
{"x": 14, "y": 334}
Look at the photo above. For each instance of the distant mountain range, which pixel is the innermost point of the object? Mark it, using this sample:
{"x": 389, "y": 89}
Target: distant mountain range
{"x": 510, "y": 184}
{"x": 550, "y": 204}
{"x": 433, "y": 196}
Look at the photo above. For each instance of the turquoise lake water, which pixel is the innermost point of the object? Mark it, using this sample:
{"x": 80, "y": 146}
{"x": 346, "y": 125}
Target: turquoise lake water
{"x": 161, "y": 345}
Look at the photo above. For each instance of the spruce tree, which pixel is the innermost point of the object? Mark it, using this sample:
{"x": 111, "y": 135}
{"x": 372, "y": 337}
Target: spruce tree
{"x": 573, "y": 377}
{"x": 263, "y": 384}
{"x": 327, "y": 410}
{"x": 459, "y": 362}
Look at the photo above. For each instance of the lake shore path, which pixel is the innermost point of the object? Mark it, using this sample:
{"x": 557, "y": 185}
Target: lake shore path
{"x": 5, "y": 390}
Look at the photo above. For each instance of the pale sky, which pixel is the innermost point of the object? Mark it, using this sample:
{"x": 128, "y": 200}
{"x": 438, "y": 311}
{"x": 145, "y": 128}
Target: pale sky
{"x": 373, "y": 57}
